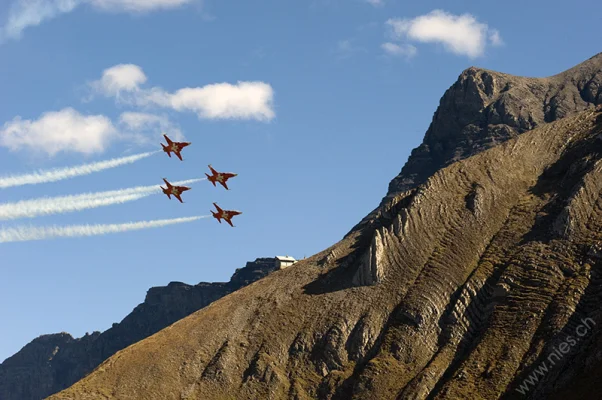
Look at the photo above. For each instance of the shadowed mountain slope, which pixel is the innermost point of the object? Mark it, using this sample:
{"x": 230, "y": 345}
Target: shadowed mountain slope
{"x": 54, "y": 362}
{"x": 457, "y": 288}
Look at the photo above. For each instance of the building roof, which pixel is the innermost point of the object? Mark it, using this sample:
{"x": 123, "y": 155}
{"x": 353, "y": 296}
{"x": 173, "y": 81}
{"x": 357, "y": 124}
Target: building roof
{"x": 285, "y": 258}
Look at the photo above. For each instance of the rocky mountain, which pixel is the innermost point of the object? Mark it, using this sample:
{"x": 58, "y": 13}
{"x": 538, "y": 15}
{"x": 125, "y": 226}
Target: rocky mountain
{"x": 468, "y": 285}
{"x": 54, "y": 362}
{"x": 484, "y": 108}
{"x": 480, "y": 278}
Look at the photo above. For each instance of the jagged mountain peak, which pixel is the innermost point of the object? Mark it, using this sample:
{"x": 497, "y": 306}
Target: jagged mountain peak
{"x": 483, "y": 108}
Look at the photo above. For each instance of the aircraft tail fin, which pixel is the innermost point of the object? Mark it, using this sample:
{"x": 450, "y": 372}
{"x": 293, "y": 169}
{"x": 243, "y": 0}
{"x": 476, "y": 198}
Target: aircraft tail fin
{"x": 217, "y": 207}
{"x": 210, "y": 178}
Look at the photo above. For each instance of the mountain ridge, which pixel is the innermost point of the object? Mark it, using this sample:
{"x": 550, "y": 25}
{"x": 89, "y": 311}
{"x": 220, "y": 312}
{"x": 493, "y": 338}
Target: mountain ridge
{"x": 453, "y": 287}
{"x": 501, "y": 106}
{"x": 54, "y": 362}
{"x": 493, "y": 113}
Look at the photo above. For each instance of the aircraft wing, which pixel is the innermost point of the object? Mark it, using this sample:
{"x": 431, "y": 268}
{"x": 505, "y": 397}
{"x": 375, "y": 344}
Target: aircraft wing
{"x": 179, "y": 156}
{"x": 169, "y": 142}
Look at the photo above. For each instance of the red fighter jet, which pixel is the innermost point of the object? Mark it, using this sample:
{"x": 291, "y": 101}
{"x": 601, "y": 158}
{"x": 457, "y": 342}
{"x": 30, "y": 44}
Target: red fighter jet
{"x": 174, "y": 190}
{"x": 175, "y": 147}
{"x": 220, "y": 177}
{"x": 226, "y": 215}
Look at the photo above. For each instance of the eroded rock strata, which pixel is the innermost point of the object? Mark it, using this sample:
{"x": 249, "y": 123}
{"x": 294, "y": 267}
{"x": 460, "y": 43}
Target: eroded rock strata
{"x": 459, "y": 289}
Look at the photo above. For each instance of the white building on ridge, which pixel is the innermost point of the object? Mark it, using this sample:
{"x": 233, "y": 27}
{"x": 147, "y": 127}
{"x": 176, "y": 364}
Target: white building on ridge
{"x": 284, "y": 261}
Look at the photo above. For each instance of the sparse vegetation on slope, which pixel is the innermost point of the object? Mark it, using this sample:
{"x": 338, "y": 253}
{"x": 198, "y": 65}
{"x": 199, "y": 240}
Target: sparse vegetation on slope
{"x": 457, "y": 290}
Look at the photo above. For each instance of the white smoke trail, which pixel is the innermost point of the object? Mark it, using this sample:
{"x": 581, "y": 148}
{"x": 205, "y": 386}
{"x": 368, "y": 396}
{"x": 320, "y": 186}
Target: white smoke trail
{"x": 22, "y": 234}
{"x": 56, "y": 205}
{"x": 59, "y": 174}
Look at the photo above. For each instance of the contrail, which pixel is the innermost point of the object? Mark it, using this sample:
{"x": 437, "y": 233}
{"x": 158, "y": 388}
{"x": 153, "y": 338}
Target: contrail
{"x": 59, "y": 174}
{"x": 63, "y": 204}
{"x": 22, "y": 234}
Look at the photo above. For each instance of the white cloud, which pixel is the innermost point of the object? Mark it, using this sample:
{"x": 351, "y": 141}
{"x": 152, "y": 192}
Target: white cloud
{"x": 69, "y": 131}
{"x": 404, "y": 50}
{"x": 137, "y": 6}
{"x": 243, "y": 100}
{"x": 137, "y": 121}
{"x": 495, "y": 38}
{"x": 346, "y": 48}
{"x": 459, "y": 34}
{"x": 138, "y": 125}
{"x": 376, "y": 3}
{"x": 122, "y": 77}
{"x": 59, "y": 131}
{"x": 26, "y": 13}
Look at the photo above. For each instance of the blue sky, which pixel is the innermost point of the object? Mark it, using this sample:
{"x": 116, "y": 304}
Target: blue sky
{"x": 316, "y": 104}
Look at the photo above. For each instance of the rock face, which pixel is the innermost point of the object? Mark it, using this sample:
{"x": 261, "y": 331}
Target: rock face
{"x": 51, "y": 363}
{"x": 484, "y": 108}
{"x": 462, "y": 285}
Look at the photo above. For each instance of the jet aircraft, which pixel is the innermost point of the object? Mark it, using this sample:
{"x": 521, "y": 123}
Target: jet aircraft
{"x": 226, "y": 215}
{"x": 175, "y": 147}
{"x": 176, "y": 191}
{"x": 220, "y": 177}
